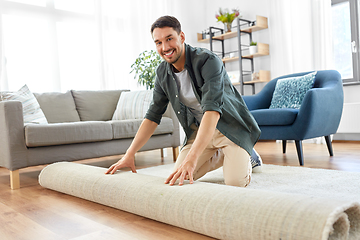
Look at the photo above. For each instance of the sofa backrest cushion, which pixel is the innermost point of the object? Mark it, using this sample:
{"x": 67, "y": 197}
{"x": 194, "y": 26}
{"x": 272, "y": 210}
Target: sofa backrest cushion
{"x": 58, "y": 107}
{"x": 32, "y": 112}
{"x": 96, "y": 105}
{"x": 133, "y": 105}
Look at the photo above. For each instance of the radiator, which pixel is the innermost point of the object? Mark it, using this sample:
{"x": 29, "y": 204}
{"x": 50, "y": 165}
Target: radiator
{"x": 350, "y": 119}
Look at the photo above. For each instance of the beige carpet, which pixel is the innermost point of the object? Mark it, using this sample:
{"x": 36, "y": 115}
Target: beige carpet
{"x": 215, "y": 210}
{"x": 330, "y": 184}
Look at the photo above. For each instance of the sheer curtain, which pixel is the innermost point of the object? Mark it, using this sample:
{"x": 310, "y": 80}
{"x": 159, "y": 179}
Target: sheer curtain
{"x": 301, "y": 37}
{"x": 124, "y": 32}
{"x": 3, "y": 75}
{"x": 58, "y": 45}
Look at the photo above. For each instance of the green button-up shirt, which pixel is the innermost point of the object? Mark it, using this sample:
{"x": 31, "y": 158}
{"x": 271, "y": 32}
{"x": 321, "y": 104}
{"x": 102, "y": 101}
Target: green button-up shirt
{"x": 214, "y": 91}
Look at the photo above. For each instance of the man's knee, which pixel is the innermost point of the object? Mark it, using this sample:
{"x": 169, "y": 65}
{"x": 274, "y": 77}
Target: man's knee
{"x": 244, "y": 182}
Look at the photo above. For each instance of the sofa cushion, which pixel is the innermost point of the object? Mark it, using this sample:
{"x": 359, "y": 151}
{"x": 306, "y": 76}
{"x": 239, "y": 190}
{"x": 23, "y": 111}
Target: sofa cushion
{"x": 289, "y": 92}
{"x": 32, "y": 112}
{"x": 96, "y": 105}
{"x": 128, "y": 128}
{"x": 275, "y": 117}
{"x": 133, "y": 105}
{"x": 58, "y": 107}
{"x": 67, "y": 133}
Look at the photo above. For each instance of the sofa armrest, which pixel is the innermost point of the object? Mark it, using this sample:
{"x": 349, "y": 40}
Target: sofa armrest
{"x": 176, "y": 134}
{"x": 12, "y": 142}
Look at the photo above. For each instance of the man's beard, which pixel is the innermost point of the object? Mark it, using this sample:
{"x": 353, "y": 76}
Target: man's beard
{"x": 176, "y": 59}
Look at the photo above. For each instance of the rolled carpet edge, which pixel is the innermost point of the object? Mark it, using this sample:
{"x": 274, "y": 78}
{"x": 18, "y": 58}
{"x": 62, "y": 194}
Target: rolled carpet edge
{"x": 219, "y": 211}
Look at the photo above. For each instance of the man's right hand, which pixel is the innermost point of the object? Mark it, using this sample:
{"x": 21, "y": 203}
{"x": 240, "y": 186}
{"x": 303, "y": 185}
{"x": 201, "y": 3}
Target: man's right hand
{"x": 126, "y": 161}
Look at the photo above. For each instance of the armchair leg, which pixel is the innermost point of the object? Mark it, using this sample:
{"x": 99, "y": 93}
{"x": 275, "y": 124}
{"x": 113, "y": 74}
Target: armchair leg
{"x": 284, "y": 145}
{"x": 299, "y": 151}
{"x": 175, "y": 153}
{"x": 14, "y": 179}
{"x": 329, "y": 145}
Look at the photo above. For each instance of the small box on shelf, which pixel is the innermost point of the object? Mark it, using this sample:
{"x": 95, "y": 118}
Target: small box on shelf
{"x": 200, "y": 38}
{"x": 259, "y": 77}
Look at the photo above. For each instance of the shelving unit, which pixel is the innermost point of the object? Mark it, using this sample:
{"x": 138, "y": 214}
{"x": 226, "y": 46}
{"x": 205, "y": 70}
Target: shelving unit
{"x": 244, "y": 27}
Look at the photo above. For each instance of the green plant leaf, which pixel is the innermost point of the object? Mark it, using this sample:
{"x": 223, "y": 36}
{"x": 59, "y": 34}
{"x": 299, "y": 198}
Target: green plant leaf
{"x": 144, "y": 68}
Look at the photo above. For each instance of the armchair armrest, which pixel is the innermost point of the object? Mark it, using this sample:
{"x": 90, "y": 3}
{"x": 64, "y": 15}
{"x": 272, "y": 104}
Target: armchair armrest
{"x": 12, "y": 142}
{"x": 320, "y": 112}
{"x": 262, "y": 99}
{"x": 255, "y": 102}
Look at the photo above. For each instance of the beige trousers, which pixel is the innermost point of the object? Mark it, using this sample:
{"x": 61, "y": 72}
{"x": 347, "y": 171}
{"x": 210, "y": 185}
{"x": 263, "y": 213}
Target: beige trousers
{"x": 221, "y": 152}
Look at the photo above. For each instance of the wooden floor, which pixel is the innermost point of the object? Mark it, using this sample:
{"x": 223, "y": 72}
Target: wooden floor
{"x": 33, "y": 212}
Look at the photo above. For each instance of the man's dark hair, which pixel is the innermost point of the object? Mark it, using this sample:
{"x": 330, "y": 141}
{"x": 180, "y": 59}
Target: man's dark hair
{"x": 166, "y": 21}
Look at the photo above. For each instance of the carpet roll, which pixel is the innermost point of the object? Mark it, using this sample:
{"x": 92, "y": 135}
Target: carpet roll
{"x": 219, "y": 211}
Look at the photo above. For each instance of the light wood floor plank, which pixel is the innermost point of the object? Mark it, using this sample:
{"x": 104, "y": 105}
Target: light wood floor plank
{"x": 15, "y": 225}
{"x": 33, "y": 212}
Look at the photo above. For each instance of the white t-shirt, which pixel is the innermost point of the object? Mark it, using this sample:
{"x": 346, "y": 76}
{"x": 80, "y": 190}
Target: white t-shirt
{"x": 187, "y": 95}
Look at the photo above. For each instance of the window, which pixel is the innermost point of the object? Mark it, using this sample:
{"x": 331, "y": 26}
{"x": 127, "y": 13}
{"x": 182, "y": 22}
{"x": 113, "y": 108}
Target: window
{"x": 345, "y": 20}
{"x": 50, "y": 45}
{"x": 58, "y": 45}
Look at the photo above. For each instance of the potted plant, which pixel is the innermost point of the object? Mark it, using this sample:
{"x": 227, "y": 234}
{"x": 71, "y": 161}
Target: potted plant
{"x": 145, "y": 66}
{"x": 227, "y": 17}
{"x": 253, "y": 48}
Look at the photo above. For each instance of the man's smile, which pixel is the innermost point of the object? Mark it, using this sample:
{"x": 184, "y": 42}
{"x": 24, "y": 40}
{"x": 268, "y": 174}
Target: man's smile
{"x": 169, "y": 54}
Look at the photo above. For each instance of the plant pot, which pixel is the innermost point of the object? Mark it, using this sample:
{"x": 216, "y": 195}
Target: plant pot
{"x": 252, "y": 50}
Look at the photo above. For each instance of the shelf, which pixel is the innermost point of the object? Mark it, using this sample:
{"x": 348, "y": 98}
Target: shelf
{"x": 225, "y": 60}
{"x": 254, "y": 81}
{"x": 264, "y": 77}
{"x": 263, "y": 50}
{"x": 261, "y": 23}
{"x": 201, "y": 40}
{"x": 244, "y": 28}
{"x": 218, "y": 37}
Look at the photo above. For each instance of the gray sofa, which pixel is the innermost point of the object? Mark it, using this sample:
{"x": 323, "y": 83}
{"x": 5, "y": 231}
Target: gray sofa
{"x": 80, "y": 127}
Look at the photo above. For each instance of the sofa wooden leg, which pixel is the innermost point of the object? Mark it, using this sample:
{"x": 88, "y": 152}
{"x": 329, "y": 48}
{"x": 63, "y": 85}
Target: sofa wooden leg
{"x": 175, "y": 153}
{"x": 162, "y": 154}
{"x": 14, "y": 179}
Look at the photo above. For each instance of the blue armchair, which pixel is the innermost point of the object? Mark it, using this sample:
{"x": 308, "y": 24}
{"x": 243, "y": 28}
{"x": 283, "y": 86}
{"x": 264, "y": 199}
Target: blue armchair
{"x": 319, "y": 114}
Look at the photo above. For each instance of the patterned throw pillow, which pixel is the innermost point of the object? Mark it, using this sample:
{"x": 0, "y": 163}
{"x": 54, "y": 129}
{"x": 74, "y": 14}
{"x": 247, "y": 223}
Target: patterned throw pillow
{"x": 133, "y": 105}
{"x": 31, "y": 109}
{"x": 290, "y": 92}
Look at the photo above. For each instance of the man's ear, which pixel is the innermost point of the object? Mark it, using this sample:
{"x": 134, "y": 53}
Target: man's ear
{"x": 182, "y": 37}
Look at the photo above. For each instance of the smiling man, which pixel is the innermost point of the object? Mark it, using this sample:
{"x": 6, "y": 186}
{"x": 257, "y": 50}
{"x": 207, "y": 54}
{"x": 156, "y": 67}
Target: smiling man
{"x": 220, "y": 131}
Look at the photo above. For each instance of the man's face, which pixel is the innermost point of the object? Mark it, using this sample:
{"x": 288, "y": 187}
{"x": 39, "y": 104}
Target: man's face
{"x": 169, "y": 44}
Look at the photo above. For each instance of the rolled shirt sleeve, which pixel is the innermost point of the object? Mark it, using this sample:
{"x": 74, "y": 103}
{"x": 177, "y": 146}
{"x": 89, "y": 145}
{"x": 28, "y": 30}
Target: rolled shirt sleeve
{"x": 158, "y": 104}
{"x": 213, "y": 89}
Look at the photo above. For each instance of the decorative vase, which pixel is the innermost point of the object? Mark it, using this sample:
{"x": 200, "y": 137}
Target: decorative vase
{"x": 227, "y": 27}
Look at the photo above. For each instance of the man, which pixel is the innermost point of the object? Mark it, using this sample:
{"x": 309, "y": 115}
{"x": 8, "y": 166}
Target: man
{"x": 220, "y": 131}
